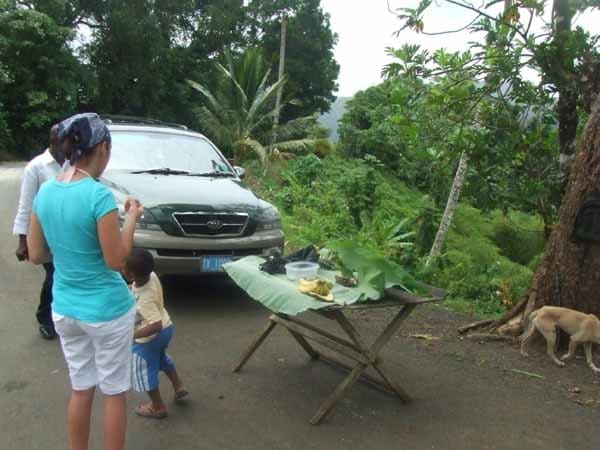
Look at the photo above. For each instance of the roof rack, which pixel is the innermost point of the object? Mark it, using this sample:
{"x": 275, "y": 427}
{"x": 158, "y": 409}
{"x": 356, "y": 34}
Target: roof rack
{"x": 120, "y": 119}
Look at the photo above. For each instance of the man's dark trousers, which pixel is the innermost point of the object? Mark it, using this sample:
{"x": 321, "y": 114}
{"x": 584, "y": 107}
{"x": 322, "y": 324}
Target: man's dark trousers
{"x": 44, "y": 312}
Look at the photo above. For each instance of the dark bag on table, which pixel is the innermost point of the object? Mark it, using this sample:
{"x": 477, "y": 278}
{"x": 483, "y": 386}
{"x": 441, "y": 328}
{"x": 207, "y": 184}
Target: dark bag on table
{"x": 276, "y": 264}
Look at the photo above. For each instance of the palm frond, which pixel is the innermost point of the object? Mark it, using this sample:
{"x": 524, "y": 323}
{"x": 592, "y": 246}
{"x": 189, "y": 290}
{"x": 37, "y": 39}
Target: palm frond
{"x": 262, "y": 96}
{"x": 291, "y": 129}
{"x": 295, "y": 146}
{"x": 230, "y": 77}
{"x": 214, "y": 128}
{"x": 206, "y": 92}
{"x": 254, "y": 146}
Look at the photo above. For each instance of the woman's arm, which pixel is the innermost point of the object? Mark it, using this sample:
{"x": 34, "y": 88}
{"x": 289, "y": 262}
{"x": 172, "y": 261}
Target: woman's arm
{"x": 116, "y": 244}
{"x": 37, "y": 247}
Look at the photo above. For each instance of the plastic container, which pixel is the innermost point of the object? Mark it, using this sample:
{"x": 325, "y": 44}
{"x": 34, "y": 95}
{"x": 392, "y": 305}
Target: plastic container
{"x": 301, "y": 269}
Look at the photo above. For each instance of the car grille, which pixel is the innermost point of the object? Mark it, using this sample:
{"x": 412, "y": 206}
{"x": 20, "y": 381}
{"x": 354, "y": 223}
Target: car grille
{"x": 177, "y": 253}
{"x": 211, "y": 224}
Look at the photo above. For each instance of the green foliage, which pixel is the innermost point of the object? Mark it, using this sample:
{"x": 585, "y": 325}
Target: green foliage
{"x": 133, "y": 58}
{"x": 366, "y": 127}
{"x": 374, "y": 272}
{"x": 38, "y": 77}
{"x": 519, "y": 236}
{"x": 480, "y": 266}
{"x": 473, "y": 266}
{"x": 239, "y": 114}
{"x": 305, "y": 170}
{"x": 419, "y": 128}
{"x": 394, "y": 122}
{"x": 508, "y": 124}
{"x": 310, "y": 66}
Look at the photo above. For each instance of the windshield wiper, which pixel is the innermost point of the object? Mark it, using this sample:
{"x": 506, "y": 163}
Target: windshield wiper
{"x": 212, "y": 174}
{"x": 162, "y": 171}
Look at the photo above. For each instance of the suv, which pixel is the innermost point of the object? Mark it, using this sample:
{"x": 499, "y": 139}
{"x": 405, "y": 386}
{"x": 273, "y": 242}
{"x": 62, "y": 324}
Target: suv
{"x": 198, "y": 214}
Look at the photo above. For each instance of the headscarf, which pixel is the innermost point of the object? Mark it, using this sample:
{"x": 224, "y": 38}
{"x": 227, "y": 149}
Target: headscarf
{"x": 86, "y": 131}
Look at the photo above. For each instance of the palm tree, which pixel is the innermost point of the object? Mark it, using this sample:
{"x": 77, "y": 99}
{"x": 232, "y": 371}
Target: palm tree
{"x": 240, "y": 110}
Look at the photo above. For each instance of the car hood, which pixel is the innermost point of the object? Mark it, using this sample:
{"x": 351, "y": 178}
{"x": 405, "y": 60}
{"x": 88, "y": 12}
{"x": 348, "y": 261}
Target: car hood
{"x": 180, "y": 191}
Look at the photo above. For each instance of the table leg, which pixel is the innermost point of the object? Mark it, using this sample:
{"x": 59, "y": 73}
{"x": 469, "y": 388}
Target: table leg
{"x": 255, "y": 344}
{"x": 339, "y": 392}
{"x": 364, "y": 377}
{"x": 395, "y": 387}
{"x": 392, "y": 328}
{"x": 372, "y": 353}
{"x": 305, "y": 345}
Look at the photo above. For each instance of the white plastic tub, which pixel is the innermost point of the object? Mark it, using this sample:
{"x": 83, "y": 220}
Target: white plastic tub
{"x": 301, "y": 269}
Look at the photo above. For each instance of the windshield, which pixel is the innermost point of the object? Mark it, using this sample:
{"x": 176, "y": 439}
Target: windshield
{"x": 148, "y": 150}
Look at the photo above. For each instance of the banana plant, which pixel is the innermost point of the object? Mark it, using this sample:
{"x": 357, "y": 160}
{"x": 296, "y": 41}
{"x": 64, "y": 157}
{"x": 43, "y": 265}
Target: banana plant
{"x": 400, "y": 238}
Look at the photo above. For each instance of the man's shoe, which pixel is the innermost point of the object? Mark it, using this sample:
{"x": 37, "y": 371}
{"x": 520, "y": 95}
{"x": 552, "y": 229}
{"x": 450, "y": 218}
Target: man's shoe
{"x": 47, "y": 332}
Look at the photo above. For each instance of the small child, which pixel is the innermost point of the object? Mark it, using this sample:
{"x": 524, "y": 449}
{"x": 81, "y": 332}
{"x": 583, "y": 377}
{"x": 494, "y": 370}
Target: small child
{"x": 153, "y": 332}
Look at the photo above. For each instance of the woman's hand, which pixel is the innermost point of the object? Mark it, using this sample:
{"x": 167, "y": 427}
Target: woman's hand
{"x": 134, "y": 208}
{"x": 117, "y": 243}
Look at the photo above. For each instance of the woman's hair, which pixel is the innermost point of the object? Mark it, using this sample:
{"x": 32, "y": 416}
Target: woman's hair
{"x": 140, "y": 262}
{"x": 84, "y": 132}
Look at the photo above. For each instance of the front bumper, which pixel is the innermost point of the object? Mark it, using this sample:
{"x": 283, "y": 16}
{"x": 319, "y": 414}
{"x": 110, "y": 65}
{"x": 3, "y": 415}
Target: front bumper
{"x": 183, "y": 255}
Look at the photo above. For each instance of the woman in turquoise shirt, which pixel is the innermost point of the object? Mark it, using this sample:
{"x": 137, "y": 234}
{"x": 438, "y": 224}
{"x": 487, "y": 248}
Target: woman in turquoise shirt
{"x": 75, "y": 222}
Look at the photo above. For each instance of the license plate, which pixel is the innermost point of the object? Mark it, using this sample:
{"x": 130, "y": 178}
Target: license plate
{"x": 214, "y": 263}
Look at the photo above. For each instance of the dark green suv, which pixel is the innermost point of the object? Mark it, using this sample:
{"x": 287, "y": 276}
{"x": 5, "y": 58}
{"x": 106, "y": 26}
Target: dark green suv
{"x": 198, "y": 214}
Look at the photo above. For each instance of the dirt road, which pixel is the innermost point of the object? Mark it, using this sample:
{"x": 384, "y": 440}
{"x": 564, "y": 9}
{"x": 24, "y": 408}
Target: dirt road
{"x": 467, "y": 395}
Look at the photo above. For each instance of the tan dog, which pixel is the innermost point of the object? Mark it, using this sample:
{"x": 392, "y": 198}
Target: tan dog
{"x": 584, "y": 328}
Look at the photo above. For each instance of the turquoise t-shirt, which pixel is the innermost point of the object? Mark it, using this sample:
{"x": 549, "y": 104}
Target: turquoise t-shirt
{"x": 84, "y": 287}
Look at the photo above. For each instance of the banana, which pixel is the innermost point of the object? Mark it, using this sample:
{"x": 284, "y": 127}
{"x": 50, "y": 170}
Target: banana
{"x": 317, "y": 288}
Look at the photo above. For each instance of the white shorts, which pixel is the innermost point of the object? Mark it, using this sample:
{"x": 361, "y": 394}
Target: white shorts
{"x": 98, "y": 354}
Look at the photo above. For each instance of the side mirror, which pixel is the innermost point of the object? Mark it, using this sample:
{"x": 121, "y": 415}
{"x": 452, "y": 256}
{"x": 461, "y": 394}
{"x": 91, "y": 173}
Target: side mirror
{"x": 241, "y": 172}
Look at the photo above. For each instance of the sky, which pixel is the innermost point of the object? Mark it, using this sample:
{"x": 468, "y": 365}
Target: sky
{"x": 366, "y": 27}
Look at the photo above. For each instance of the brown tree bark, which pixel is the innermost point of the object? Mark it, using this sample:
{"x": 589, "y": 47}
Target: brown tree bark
{"x": 564, "y": 77}
{"x": 569, "y": 273}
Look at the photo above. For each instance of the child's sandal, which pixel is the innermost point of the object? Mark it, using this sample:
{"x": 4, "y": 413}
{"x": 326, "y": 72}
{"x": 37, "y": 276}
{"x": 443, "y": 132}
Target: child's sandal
{"x": 146, "y": 410}
{"x": 180, "y": 395}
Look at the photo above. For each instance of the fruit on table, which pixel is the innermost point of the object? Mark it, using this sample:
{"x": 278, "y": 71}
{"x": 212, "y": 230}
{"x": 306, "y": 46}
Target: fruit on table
{"x": 318, "y": 288}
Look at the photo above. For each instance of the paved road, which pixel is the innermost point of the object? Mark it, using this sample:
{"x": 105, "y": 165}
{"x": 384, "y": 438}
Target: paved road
{"x": 462, "y": 402}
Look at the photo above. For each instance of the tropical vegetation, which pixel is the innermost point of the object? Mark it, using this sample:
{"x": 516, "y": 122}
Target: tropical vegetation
{"x": 134, "y": 57}
{"x": 240, "y": 111}
{"x": 459, "y": 167}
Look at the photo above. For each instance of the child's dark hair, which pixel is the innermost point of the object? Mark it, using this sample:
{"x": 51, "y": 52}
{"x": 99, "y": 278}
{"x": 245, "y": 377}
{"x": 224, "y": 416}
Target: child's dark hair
{"x": 140, "y": 262}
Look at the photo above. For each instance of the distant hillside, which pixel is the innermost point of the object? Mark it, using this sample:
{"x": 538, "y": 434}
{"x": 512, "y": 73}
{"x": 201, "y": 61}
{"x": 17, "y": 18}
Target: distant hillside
{"x": 330, "y": 119}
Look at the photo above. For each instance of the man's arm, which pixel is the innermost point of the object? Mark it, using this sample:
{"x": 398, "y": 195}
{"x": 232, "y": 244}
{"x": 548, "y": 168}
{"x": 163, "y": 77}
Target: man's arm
{"x": 38, "y": 250}
{"x": 29, "y": 187}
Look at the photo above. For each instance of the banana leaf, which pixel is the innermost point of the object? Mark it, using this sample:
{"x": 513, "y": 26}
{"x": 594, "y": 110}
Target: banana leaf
{"x": 373, "y": 271}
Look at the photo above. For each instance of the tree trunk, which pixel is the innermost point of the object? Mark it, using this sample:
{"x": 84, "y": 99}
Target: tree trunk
{"x": 281, "y": 68}
{"x": 569, "y": 273}
{"x": 566, "y": 108}
{"x": 457, "y": 185}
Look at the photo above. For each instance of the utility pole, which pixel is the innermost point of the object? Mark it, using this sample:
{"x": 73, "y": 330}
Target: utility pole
{"x": 281, "y": 67}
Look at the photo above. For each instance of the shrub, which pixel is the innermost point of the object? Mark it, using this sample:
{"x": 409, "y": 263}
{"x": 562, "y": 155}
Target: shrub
{"x": 519, "y": 236}
{"x": 474, "y": 269}
{"x": 305, "y": 169}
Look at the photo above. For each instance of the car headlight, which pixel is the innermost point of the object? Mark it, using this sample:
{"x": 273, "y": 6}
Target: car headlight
{"x": 268, "y": 219}
{"x": 146, "y": 222}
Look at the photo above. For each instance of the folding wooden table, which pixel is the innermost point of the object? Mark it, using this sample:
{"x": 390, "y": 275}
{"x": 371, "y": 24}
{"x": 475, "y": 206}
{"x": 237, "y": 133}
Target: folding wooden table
{"x": 353, "y": 347}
